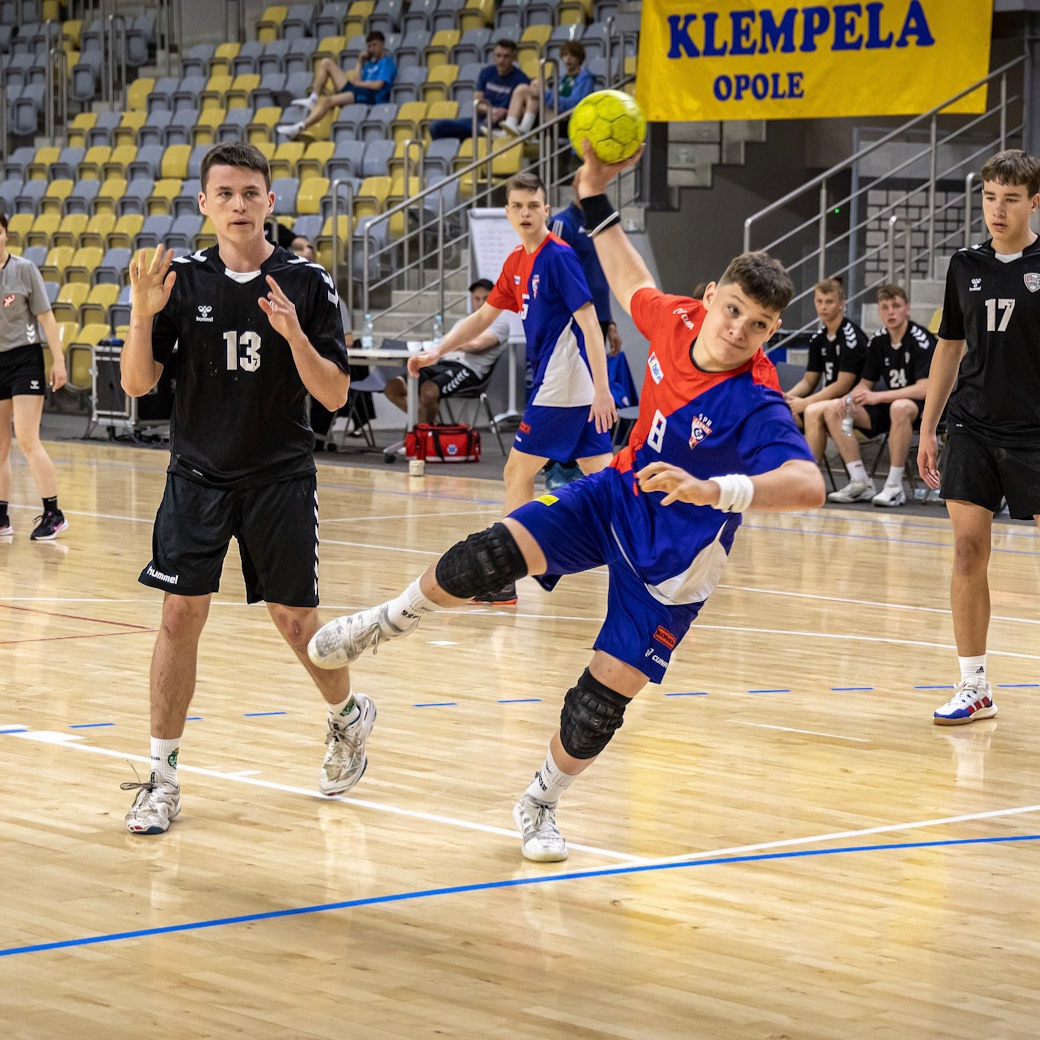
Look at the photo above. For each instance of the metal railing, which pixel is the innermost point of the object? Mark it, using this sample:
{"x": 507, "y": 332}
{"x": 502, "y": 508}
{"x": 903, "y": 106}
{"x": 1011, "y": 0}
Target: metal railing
{"x": 811, "y": 252}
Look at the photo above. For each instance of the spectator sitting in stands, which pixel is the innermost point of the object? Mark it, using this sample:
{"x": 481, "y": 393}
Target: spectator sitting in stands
{"x": 492, "y": 95}
{"x": 368, "y": 83}
{"x": 577, "y": 83}
{"x": 301, "y": 245}
{"x": 466, "y": 367}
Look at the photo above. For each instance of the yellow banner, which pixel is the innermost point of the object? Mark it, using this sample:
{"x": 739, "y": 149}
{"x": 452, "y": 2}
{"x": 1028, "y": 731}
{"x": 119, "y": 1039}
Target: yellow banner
{"x": 765, "y": 59}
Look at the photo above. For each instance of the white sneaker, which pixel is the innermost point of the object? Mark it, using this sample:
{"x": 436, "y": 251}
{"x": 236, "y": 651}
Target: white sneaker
{"x": 854, "y": 491}
{"x": 542, "y": 841}
{"x": 290, "y": 130}
{"x": 304, "y": 102}
{"x": 341, "y": 641}
{"x": 6, "y": 528}
{"x": 156, "y": 806}
{"x": 890, "y": 495}
{"x": 345, "y": 758}
{"x": 511, "y": 126}
{"x": 971, "y": 702}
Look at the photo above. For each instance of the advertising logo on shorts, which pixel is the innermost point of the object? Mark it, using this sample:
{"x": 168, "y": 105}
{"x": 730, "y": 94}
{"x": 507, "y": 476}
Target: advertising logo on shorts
{"x": 1032, "y": 280}
{"x": 700, "y": 429}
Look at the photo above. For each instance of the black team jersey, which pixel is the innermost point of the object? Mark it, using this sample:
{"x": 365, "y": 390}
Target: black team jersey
{"x": 902, "y": 365}
{"x": 995, "y": 306}
{"x": 845, "y": 353}
{"x": 240, "y": 409}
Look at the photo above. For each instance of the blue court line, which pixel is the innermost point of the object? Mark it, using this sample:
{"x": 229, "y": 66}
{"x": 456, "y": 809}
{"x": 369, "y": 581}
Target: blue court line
{"x": 851, "y": 689}
{"x": 691, "y": 693}
{"x": 261, "y": 714}
{"x": 90, "y": 725}
{"x": 193, "y": 718}
{"x": 437, "y": 704}
{"x": 1017, "y": 685}
{"x": 948, "y": 686}
{"x": 769, "y": 691}
{"x": 14, "y": 729}
{"x": 521, "y": 700}
{"x": 491, "y": 886}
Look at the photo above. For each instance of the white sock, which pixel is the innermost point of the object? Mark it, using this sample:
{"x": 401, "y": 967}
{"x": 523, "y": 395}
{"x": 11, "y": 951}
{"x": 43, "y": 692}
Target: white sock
{"x": 527, "y": 122}
{"x": 972, "y": 667}
{"x": 895, "y": 477}
{"x": 312, "y": 97}
{"x": 345, "y": 713}
{"x": 857, "y": 471}
{"x": 164, "y": 757}
{"x": 411, "y": 604}
{"x": 549, "y": 782}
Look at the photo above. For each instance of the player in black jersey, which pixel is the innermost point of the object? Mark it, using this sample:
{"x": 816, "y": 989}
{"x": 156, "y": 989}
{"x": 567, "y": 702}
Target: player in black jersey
{"x": 990, "y": 331}
{"x": 897, "y": 356}
{"x": 257, "y": 328}
{"x": 836, "y": 355}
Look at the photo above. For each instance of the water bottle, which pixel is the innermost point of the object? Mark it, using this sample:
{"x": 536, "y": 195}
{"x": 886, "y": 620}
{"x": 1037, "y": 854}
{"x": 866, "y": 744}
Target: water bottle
{"x": 368, "y": 334}
{"x": 846, "y": 422}
{"x": 438, "y": 330}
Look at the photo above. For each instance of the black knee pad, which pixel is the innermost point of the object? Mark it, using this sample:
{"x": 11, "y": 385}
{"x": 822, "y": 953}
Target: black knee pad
{"x": 482, "y": 563}
{"x": 591, "y": 714}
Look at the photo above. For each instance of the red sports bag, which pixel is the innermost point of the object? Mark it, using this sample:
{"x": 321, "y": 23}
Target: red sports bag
{"x": 448, "y": 442}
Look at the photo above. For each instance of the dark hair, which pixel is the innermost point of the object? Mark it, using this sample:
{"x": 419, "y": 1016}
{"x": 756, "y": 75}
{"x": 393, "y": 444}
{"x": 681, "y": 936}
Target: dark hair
{"x": 3, "y": 221}
{"x": 375, "y": 34}
{"x": 482, "y": 283}
{"x": 762, "y": 278}
{"x": 890, "y": 291}
{"x": 238, "y": 154}
{"x": 526, "y": 180}
{"x": 575, "y": 48}
{"x": 510, "y": 45}
{"x": 1013, "y": 167}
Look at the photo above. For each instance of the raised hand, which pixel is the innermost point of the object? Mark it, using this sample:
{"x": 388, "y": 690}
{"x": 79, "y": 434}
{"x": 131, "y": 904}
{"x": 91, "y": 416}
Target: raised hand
{"x": 151, "y": 282}
{"x": 281, "y": 313}
{"x": 594, "y": 175}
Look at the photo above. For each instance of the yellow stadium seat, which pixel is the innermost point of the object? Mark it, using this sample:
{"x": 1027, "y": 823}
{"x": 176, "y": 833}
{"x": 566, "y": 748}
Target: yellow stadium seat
{"x": 935, "y": 320}
{"x": 357, "y": 14}
{"x": 77, "y": 135}
{"x": 205, "y": 129}
{"x": 415, "y": 152}
{"x": 71, "y": 30}
{"x": 370, "y": 199}
{"x": 80, "y": 267}
{"x": 528, "y": 64}
{"x": 533, "y": 40}
{"x": 89, "y": 336}
{"x": 70, "y": 231}
{"x": 164, "y": 191}
{"x": 138, "y": 91}
{"x": 222, "y": 58}
{"x": 310, "y": 195}
{"x": 312, "y": 162}
{"x": 118, "y": 160}
{"x": 67, "y": 331}
{"x": 438, "y": 51}
{"x": 286, "y": 156}
{"x": 323, "y": 243}
{"x": 438, "y": 110}
{"x": 574, "y": 12}
{"x": 18, "y": 225}
{"x": 95, "y": 307}
{"x": 93, "y": 163}
{"x": 212, "y": 95}
{"x": 477, "y": 14}
{"x": 263, "y": 124}
{"x": 269, "y": 25}
{"x": 66, "y": 306}
{"x": 58, "y": 258}
{"x": 98, "y": 228}
{"x": 241, "y": 90}
{"x": 438, "y": 81}
{"x": 266, "y": 148}
{"x": 111, "y": 191}
{"x": 39, "y": 168}
{"x": 330, "y": 47}
{"x": 207, "y": 236}
{"x": 126, "y": 133}
{"x": 408, "y": 121}
{"x": 42, "y": 231}
{"x": 125, "y": 231}
{"x": 55, "y": 195}
{"x": 79, "y": 362}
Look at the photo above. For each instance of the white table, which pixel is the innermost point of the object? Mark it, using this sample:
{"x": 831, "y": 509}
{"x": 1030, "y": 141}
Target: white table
{"x": 401, "y": 354}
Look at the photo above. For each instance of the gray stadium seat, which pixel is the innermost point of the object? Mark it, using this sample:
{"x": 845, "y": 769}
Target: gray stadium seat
{"x": 81, "y": 198}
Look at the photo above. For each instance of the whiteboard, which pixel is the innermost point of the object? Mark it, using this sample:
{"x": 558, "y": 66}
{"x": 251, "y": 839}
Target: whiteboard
{"x": 491, "y": 240}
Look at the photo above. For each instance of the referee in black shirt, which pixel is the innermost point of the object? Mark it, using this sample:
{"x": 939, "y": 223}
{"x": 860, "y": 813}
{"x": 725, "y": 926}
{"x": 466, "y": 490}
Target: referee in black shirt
{"x": 257, "y": 329}
{"x": 989, "y": 344}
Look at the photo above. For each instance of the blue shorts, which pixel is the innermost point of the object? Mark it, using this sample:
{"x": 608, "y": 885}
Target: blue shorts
{"x": 572, "y": 527}
{"x": 560, "y": 433}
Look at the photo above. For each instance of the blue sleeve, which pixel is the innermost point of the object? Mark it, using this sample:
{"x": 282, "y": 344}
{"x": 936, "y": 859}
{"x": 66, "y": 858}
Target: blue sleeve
{"x": 570, "y": 280}
{"x": 769, "y": 436}
{"x": 482, "y": 80}
{"x": 386, "y": 70}
{"x": 584, "y": 84}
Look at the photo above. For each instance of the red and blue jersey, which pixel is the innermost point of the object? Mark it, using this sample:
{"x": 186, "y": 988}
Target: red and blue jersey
{"x": 707, "y": 423}
{"x": 546, "y": 288}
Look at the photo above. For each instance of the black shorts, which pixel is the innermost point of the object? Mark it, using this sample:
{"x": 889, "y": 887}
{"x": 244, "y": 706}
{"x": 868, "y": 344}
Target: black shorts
{"x": 985, "y": 474}
{"x": 450, "y": 376}
{"x": 881, "y": 418}
{"x": 277, "y": 531}
{"x": 22, "y": 373}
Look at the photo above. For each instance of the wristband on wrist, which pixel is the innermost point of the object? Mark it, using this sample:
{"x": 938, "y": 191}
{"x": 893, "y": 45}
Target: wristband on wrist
{"x": 735, "y": 492}
{"x": 599, "y": 214}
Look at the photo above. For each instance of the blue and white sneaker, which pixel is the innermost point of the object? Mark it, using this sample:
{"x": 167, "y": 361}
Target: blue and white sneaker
{"x": 971, "y": 702}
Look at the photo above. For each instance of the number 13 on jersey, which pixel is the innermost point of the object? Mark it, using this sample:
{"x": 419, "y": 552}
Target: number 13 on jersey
{"x": 243, "y": 351}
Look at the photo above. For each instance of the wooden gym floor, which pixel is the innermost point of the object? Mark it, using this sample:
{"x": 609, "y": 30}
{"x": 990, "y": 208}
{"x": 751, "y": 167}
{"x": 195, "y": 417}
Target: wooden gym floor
{"x": 778, "y": 844}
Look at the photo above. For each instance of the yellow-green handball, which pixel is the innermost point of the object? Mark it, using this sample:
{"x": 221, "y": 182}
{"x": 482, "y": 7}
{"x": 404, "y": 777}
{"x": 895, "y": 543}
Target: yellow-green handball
{"x": 613, "y": 123}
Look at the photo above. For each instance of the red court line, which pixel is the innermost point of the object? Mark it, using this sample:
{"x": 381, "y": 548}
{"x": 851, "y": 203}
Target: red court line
{"x": 75, "y": 617}
{"x": 86, "y": 635}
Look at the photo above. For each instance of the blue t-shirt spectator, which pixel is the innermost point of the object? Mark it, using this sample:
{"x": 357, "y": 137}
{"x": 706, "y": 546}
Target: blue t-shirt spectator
{"x": 498, "y": 89}
{"x": 385, "y": 69}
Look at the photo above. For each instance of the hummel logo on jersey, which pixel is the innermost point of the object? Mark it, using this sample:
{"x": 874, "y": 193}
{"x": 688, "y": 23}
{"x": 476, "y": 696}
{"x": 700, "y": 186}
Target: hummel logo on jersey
{"x": 700, "y": 429}
{"x": 170, "y": 579}
{"x": 204, "y": 313}
{"x": 34, "y": 384}
{"x": 9, "y": 299}
{"x": 1032, "y": 280}
{"x": 976, "y": 285}
{"x": 655, "y": 368}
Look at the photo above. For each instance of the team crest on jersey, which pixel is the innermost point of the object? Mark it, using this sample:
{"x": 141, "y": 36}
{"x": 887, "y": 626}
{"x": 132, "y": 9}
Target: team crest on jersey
{"x": 9, "y": 299}
{"x": 655, "y": 368}
{"x": 1032, "y": 280}
{"x": 534, "y": 286}
{"x": 700, "y": 429}
{"x": 204, "y": 313}
{"x": 976, "y": 285}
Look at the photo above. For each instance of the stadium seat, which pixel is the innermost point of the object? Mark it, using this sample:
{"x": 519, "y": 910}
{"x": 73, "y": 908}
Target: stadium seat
{"x": 36, "y": 255}
{"x": 81, "y": 265}
{"x": 112, "y": 269}
{"x": 298, "y": 22}
{"x": 245, "y": 60}
{"x": 357, "y": 14}
{"x": 346, "y": 160}
{"x": 183, "y": 231}
{"x": 271, "y": 60}
{"x": 533, "y": 41}
{"x": 286, "y": 156}
{"x": 196, "y": 61}
{"x": 135, "y": 195}
{"x": 28, "y": 201}
{"x": 205, "y": 129}
{"x": 370, "y": 199}
{"x": 225, "y": 56}
{"x": 17, "y": 163}
{"x": 120, "y": 230}
{"x": 323, "y": 243}
{"x": 119, "y": 312}
{"x": 269, "y": 24}
{"x": 58, "y": 259}
{"x": 102, "y": 132}
{"x": 70, "y": 297}
{"x": 118, "y": 162}
{"x": 442, "y": 43}
{"x": 285, "y": 190}
{"x": 235, "y": 126}
{"x": 471, "y": 46}
{"x": 187, "y": 200}
{"x": 18, "y": 225}
{"x": 43, "y": 229}
{"x": 299, "y": 57}
{"x": 198, "y": 153}
{"x": 207, "y": 236}
{"x": 155, "y": 127}
{"x": 347, "y": 125}
{"x": 94, "y": 309}
{"x": 310, "y": 195}
{"x": 408, "y": 121}
{"x": 445, "y": 15}
{"x": 67, "y": 332}
{"x": 377, "y": 158}
{"x": 438, "y": 82}
{"x": 214, "y": 92}
{"x": 137, "y": 93}
{"x": 81, "y": 198}
{"x": 476, "y": 14}
{"x": 147, "y": 162}
{"x": 67, "y": 162}
{"x": 509, "y": 14}
{"x": 130, "y": 122}
{"x": 312, "y": 162}
{"x": 98, "y": 228}
{"x": 39, "y": 168}
{"x": 330, "y": 47}
{"x": 462, "y": 89}
{"x": 79, "y": 363}
{"x": 419, "y": 17}
{"x": 408, "y": 85}
{"x": 386, "y": 17}
{"x": 440, "y": 157}
{"x": 54, "y": 197}
{"x": 439, "y": 110}
{"x": 412, "y": 52}
{"x": 70, "y": 230}
{"x": 261, "y": 126}
{"x": 93, "y": 161}
{"x": 161, "y": 94}
{"x": 152, "y": 230}
{"x": 163, "y": 192}
{"x": 376, "y": 125}
{"x": 329, "y": 19}
{"x": 241, "y": 90}
{"x": 107, "y": 199}
{"x": 416, "y": 153}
